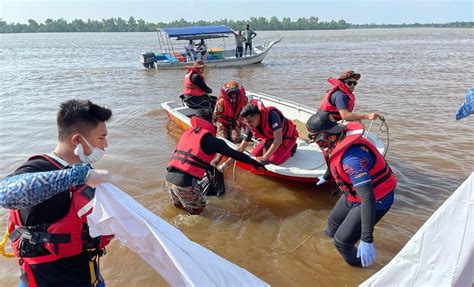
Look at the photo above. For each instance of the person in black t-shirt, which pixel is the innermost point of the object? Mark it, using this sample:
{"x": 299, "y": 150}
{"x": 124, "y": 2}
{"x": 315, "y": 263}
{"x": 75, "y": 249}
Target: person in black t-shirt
{"x": 49, "y": 198}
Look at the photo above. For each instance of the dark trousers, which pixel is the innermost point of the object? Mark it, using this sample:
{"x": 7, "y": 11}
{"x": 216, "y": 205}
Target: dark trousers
{"x": 239, "y": 51}
{"x": 248, "y": 45}
{"x": 344, "y": 225}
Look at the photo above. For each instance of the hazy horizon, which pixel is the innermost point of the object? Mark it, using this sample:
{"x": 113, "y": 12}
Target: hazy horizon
{"x": 354, "y": 12}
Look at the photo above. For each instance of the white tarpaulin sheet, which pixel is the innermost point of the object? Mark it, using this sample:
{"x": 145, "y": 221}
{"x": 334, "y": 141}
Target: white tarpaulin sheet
{"x": 441, "y": 253}
{"x": 180, "y": 261}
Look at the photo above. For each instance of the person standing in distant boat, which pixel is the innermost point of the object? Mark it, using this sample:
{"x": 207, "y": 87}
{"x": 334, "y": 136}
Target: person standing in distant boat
{"x": 239, "y": 44}
{"x": 339, "y": 101}
{"x": 366, "y": 180}
{"x": 249, "y": 35}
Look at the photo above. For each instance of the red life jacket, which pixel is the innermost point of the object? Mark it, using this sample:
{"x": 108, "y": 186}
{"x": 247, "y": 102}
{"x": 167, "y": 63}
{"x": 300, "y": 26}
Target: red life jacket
{"x": 231, "y": 113}
{"x": 326, "y": 102}
{"x": 383, "y": 179}
{"x": 265, "y": 131}
{"x": 66, "y": 237}
{"x": 188, "y": 156}
{"x": 189, "y": 88}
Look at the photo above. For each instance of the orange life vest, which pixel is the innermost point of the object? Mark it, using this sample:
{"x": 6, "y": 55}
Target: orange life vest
{"x": 265, "y": 131}
{"x": 66, "y": 237}
{"x": 383, "y": 179}
{"x": 326, "y": 102}
{"x": 189, "y": 88}
{"x": 231, "y": 113}
{"x": 189, "y": 156}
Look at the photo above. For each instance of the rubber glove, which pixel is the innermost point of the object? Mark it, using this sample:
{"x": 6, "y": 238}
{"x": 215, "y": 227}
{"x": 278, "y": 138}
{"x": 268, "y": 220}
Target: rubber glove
{"x": 321, "y": 180}
{"x": 366, "y": 253}
{"x": 97, "y": 176}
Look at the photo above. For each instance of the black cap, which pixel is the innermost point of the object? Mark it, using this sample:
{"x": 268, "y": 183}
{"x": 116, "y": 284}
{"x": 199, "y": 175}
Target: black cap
{"x": 322, "y": 121}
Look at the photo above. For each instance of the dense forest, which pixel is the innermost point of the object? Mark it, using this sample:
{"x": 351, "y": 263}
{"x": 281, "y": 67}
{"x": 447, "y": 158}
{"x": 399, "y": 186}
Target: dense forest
{"x": 260, "y": 23}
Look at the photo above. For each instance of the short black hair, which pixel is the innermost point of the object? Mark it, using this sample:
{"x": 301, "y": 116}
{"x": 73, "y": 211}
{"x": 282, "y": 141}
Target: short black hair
{"x": 204, "y": 113}
{"x": 80, "y": 116}
{"x": 249, "y": 110}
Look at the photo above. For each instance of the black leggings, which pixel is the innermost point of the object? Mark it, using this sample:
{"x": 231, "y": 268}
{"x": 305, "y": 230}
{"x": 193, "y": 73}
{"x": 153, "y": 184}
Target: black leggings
{"x": 344, "y": 225}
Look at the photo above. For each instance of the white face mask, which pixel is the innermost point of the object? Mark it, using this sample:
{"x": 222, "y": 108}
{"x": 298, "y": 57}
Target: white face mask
{"x": 95, "y": 156}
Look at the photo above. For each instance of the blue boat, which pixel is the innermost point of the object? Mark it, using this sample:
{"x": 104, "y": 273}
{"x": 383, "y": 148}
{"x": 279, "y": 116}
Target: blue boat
{"x": 176, "y": 48}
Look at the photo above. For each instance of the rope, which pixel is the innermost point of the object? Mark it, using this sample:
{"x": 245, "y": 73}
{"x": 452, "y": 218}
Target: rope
{"x": 384, "y": 128}
{"x": 3, "y": 243}
{"x": 295, "y": 248}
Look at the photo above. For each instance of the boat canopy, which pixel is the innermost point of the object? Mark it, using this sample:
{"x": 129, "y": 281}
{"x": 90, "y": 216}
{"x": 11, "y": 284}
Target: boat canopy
{"x": 183, "y": 32}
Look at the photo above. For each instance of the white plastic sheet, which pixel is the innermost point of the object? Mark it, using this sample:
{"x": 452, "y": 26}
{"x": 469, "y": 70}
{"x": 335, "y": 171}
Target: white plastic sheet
{"x": 180, "y": 261}
{"x": 441, "y": 253}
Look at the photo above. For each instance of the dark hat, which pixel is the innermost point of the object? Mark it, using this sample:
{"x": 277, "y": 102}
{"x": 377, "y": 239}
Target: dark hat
{"x": 349, "y": 74}
{"x": 323, "y": 121}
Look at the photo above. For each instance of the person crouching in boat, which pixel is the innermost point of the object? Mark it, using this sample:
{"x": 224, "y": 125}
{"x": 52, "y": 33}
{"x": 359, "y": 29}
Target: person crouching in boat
{"x": 339, "y": 101}
{"x": 366, "y": 180}
{"x": 276, "y": 134}
{"x": 191, "y": 159}
{"x": 195, "y": 89}
{"x": 226, "y": 116}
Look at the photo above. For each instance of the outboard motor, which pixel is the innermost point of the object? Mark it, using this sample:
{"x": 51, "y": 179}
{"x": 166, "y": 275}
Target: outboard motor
{"x": 147, "y": 59}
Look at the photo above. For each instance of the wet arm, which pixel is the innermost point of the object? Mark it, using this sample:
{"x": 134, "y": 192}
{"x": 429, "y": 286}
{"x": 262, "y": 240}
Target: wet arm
{"x": 211, "y": 145}
{"x": 29, "y": 189}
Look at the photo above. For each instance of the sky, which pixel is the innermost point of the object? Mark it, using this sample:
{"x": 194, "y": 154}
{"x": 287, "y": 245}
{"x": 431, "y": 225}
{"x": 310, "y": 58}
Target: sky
{"x": 356, "y": 12}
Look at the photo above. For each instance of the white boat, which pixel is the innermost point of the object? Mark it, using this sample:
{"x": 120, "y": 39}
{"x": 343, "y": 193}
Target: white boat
{"x": 305, "y": 165}
{"x": 170, "y": 58}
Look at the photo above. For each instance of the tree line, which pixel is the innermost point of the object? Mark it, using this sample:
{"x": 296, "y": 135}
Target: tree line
{"x": 256, "y": 23}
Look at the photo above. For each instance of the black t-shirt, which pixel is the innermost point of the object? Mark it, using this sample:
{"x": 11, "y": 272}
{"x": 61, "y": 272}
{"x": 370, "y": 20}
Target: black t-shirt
{"x": 69, "y": 271}
{"x": 209, "y": 144}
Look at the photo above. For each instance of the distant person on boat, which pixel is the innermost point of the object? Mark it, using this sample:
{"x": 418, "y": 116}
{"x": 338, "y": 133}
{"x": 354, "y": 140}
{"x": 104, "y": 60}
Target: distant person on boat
{"x": 366, "y": 180}
{"x": 239, "y": 44}
{"x": 249, "y": 35}
{"x": 339, "y": 101}
{"x": 195, "y": 90}
{"x": 190, "y": 52}
{"x": 191, "y": 159}
{"x": 201, "y": 50}
{"x": 49, "y": 197}
{"x": 276, "y": 134}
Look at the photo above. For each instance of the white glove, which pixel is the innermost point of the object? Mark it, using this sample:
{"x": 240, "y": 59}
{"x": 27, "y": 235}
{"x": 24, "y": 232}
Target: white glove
{"x": 320, "y": 181}
{"x": 97, "y": 176}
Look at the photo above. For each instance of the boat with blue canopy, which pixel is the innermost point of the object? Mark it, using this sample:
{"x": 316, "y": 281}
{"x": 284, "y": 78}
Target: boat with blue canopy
{"x": 181, "y": 45}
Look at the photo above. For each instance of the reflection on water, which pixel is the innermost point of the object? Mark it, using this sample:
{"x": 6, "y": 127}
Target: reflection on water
{"x": 416, "y": 78}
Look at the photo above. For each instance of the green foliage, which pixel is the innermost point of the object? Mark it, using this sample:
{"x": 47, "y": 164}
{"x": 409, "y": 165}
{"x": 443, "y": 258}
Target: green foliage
{"x": 256, "y": 23}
